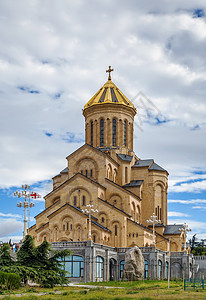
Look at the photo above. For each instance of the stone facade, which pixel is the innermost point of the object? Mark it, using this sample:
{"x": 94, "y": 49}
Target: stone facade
{"x": 112, "y": 262}
{"x": 106, "y": 173}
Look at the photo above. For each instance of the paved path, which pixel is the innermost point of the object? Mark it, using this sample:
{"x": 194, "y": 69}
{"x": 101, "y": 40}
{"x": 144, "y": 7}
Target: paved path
{"x": 94, "y": 286}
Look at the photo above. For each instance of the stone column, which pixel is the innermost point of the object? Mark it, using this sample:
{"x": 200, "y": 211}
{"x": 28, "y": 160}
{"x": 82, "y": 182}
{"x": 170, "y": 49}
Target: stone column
{"x": 86, "y": 133}
{"x": 120, "y": 133}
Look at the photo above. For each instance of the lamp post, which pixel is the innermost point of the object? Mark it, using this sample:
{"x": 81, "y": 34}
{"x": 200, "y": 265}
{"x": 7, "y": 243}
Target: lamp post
{"x": 89, "y": 208}
{"x": 185, "y": 228}
{"x": 25, "y": 204}
{"x": 153, "y": 219}
{"x": 169, "y": 268}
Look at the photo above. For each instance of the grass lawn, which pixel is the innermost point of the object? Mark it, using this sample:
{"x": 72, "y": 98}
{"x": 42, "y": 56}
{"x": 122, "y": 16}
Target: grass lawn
{"x": 144, "y": 290}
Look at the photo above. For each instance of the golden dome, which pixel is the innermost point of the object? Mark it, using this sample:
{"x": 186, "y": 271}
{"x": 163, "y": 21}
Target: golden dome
{"x": 109, "y": 93}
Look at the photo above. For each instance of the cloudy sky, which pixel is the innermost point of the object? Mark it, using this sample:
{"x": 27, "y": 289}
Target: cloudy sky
{"x": 53, "y": 58}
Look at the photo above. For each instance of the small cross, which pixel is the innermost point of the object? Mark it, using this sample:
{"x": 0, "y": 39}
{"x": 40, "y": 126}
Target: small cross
{"x": 109, "y": 71}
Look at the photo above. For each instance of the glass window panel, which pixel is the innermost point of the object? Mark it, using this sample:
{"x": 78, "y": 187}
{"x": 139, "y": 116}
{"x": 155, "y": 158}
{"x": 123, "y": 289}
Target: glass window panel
{"x": 77, "y": 258}
{"x": 68, "y": 268}
{"x": 76, "y": 269}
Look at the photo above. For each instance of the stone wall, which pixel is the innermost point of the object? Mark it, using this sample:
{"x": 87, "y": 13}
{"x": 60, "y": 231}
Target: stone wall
{"x": 182, "y": 264}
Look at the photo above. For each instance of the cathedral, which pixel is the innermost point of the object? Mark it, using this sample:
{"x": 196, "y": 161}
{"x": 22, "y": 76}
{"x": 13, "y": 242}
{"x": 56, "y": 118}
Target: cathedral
{"x": 106, "y": 194}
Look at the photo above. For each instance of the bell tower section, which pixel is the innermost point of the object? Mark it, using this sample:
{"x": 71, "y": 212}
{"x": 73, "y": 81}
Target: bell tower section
{"x": 109, "y": 118}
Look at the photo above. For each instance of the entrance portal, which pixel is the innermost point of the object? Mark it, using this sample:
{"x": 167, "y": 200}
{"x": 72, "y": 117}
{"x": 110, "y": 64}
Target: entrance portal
{"x": 112, "y": 269}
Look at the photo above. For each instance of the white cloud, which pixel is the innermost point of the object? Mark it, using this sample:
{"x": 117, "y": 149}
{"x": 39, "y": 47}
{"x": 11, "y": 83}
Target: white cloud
{"x": 10, "y": 227}
{"x": 194, "y": 187}
{"x": 177, "y": 214}
{"x": 9, "y": 215}
{"x": 199, "y": 207}
{"x": 54, "y": 56}
{"x": 188, "y": 201}
{"x": 13, "y": 238}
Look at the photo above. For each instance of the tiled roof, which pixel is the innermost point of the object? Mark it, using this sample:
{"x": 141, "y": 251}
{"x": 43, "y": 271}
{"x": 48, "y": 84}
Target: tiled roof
{"x": 102, "y": 227}
{"x": 125, "y": 157}
{"x": 148, "y": 163}
{"x": 173, "y": 229}
{"x": 156, "y": 167}
{"x": 143, "y": 163}
{"x": 64, "y": 171}
{"x": 134, "y": 183}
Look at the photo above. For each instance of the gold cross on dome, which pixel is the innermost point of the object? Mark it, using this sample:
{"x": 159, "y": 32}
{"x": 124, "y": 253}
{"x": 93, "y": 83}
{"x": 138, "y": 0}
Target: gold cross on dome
{"x": 109, "y": 71}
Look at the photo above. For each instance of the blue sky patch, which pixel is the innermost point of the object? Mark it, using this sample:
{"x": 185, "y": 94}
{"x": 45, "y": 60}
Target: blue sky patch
{"x": 49, "y": 134}
{"x": 71, "y": 137}
{"x": 28, "y": 90}
{"x": 198, "y": 13}
{"x": 196, "y": 127}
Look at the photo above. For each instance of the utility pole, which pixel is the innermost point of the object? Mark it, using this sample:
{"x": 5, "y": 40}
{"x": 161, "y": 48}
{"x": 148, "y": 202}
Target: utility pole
{"x": 88, "y": 210}
{"x": 153, "y": 219}
{"x": 25, "y": 204}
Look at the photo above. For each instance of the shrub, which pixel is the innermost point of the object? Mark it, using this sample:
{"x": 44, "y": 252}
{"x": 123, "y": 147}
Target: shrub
{"x": 9, "y": 281}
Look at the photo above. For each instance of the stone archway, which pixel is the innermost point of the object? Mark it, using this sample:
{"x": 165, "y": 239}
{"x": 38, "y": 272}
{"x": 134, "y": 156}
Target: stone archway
{"x": 112, "y": 269}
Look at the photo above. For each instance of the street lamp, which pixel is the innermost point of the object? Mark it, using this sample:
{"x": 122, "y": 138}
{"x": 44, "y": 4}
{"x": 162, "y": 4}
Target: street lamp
{"x": 88, "y": 210}
{"x": 153, "y": 219}
{"x": 27, "y": 205}
{"x": 185, "y": 228}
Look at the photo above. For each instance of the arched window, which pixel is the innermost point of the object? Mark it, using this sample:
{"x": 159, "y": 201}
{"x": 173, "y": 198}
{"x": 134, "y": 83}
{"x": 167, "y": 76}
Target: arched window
{"x": 125, "y": 133}
{"x": 101, "y": 133}
{"x": 83, "y": 200}
{"x": 121, "y": 268}
{"x": 92, "y": 133}
{"x": 125, "y": 174}
{"x": 115, "y": 230}
{"x": 75, "y": 200}
{"x": 86, "y": 173}
{"x": 145, "y": 269}
{"x": 159, "y": 269}
{"x": 99, "y": 267}
{"x": 91, "y": 172}
{"x": 94, "y": 238}
{"x": 167, "y": 268}
{"x": 114, "y": 129}
{"x": 74, "y": 265}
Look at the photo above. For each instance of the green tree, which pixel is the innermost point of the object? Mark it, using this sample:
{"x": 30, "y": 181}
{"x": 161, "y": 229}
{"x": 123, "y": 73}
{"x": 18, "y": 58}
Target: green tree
{"x": 39, "y": 264}
{"x": 26, "y": 255}
{"x": 5, "y": 255}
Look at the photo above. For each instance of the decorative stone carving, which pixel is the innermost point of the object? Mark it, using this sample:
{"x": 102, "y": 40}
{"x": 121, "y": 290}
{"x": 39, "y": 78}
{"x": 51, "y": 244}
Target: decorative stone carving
{"x": 134, "y": 264}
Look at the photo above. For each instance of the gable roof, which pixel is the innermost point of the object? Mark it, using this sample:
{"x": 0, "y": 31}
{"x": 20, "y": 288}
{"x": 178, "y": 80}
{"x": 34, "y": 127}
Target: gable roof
{"x": 68, "y": 180}
{"x": 100, "y": 226}
{"x": 120, "y": 210}
{"x": 80, "y": 211}
{"x": 64, "y": 170}
{"x": 125, "y": 190}
{"x": 149, "y": 163}
{"x": 133, "y": 183}
{"x": 143, "y": 163}
{"x": 125, "y": 157}
{"x": 173, "y": 229}
{"x": 156, "y": 167}
{"x": 47, "y": 208}
{"x": 95, "y": 149}
{"x": 149, "y": 230}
